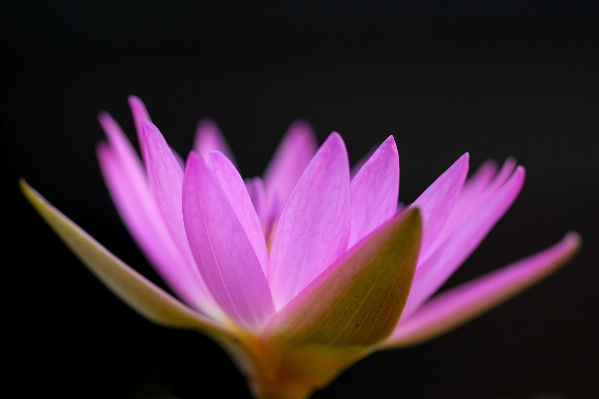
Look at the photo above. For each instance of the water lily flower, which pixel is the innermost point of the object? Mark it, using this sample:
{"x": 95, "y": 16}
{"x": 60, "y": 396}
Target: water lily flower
{"x": 304, "y": 271}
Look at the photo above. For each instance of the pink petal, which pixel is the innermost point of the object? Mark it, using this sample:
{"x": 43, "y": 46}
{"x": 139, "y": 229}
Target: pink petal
{"x": 435, "y": 270}
{"x": 128, "y": 185}
{"x": 476, "y": 192}
{"x": 222, "y": 250}
{"x": 209, "y": 138}
{"x": 146, "y": 226}
{"x": 469, "y": 300}
{"x": 232, "y": 185}
{"x": 140, "y": 114}
{"x": 166, "y": 184}
{"x": 313, "y": 230}
{"x": 291, "y": 158}
{"x": 255, "y": 188}
{"x": 166, "y": 181}
{"x": 437, "y": 200}
{"x": 374, "y": 191}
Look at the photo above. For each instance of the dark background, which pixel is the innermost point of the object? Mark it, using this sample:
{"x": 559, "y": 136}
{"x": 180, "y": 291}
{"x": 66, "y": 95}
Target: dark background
{"x": 497, "y": 78}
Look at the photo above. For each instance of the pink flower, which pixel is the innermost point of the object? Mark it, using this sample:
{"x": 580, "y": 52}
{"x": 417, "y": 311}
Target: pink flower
{"x": 302, "y": 272}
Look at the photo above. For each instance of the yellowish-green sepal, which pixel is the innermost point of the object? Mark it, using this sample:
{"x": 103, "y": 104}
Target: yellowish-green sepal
{"x": 132, "y": 288}
{"x": 358, "y": 303}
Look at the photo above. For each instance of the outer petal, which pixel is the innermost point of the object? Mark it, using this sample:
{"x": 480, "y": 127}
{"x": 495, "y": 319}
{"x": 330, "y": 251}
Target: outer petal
{"x": 222, "y": 250}
{"x": 449, "y": 256}
{"x": 374, "y": 191}
{"x": 145, "y": 223}
{"x": 461, "y": 304}
{"x": 291, "y": 158}
{"x": 209, "y": 138}
{"x": 437, "y": 201}
{"x": 313, "y": 230}
{"x": 237, "y": 194}
{"x": 476, "y": 192}
{"x": 132, "y": 288}
{"x": 342, "y": 314}
{"x": 357, "y": 300}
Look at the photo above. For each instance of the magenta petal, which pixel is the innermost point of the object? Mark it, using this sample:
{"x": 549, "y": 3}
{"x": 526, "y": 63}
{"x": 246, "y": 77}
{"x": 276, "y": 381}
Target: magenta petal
{"x": 437, "y": 200}
{"x": 477, "y": 190}
{"x": 222, "y": 250}
{"x": 291, "y": 158}
{"x": 166, "y": 181}
{"x": 232, "y": 185}
{"x": 143, "y": 220}
{"x": 449, "y": 256}
{"x": 467, "y": 301}
{"x": 209, "y": 138}
{"x": 313, "y": 230}
{"x": 140, "y": 115}
{"x": 374, "y": 191}
{"x": 255, "y": 188}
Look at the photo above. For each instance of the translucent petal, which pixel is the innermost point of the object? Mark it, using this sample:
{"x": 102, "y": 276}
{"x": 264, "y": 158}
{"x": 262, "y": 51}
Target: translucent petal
{"x": 313, "y": 230}
{"x": 431, "y": 274}
{"x": 437, "y": 201}
{"x": 374, "y": 191}
{"x": 221, "y": 249}
{"x": 459, "y": 305}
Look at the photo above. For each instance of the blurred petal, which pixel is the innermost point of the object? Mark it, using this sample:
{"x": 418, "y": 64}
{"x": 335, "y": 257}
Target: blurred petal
{"x": 233, "y": 187}
{"x": 132, "y": 288}
{"x": 209, "y": 138}
{"x": 145, "y": 224}
{"x": 459, "y": 305}
{"x": 291, "y": 158}
{"x": 222, "y": 250}
{"x": 455, "y": 250}
{"x": 140, "y": 115}
{"x": 437, "y": 201}
{"x": 313, "y": 230}
{"x": 257, "y": 194}
{"x": 357, "y": 300}
{"x": 374, "y": 191}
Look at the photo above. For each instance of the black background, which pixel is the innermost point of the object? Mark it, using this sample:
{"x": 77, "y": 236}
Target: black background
{"x": 495, "y": 78}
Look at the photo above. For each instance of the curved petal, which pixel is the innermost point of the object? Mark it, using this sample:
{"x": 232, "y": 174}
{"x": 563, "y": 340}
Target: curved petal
{"x": 235, "y": 190}
{"x": 222, "y": 250}
{"x": 209, "y": 138}
{"x": 291, "y": 158}
{"x": 449, "y": 256}
{"x": 374, "y": 191}
{"x": 145, "y": 224}
{"x": 476, "y": 192}
{"x": 255, "y": 188}
{"x": 166, "y": 184}
{"x": 140, "y": 115}
{"x": 313, "y": 230}
{"x": 437, "y": 200}
{"x": 132, "y": 288}
{"x": 459, "y": 305}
